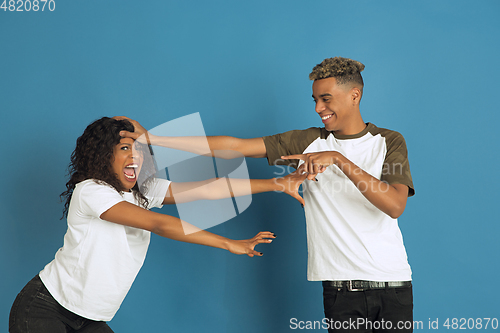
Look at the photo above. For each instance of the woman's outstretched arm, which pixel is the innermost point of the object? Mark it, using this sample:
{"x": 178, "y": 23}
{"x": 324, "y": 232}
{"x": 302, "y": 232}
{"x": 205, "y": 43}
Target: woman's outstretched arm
{"x": 174, "y": 228}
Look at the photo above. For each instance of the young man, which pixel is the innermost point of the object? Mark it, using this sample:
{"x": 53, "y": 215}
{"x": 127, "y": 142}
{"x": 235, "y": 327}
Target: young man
{"x": 359, "y": 181}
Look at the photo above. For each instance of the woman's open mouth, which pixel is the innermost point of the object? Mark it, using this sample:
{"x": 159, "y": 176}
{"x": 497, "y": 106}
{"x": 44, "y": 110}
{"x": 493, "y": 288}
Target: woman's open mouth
{"x": 129, "y": 171}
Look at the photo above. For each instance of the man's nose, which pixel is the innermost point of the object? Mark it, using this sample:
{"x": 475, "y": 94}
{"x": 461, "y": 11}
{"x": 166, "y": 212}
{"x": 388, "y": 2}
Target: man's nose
{"x": 319, "y": 107}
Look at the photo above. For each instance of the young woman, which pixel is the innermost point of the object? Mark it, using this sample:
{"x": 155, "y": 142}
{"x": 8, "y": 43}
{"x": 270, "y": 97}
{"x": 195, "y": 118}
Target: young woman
{"x": 109, "y": 226}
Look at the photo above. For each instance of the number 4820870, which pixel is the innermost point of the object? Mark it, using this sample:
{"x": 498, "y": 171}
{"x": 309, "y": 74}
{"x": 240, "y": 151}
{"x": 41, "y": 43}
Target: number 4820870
{"x": 28, "y": 5}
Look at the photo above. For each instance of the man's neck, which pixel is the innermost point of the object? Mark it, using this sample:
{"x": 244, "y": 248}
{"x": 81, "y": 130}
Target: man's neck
{"x": 354, "y": 126}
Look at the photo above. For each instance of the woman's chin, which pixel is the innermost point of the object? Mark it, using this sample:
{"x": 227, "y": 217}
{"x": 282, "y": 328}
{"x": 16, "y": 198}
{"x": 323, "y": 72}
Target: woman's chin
{"x": 128, "y": 184}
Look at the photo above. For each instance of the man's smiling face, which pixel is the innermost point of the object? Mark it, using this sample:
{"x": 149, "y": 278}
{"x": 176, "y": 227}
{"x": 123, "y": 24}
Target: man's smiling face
{"x": 334, "y": 104}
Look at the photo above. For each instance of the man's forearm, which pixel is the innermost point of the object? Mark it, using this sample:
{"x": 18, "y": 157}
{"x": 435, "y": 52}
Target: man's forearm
{"x": 388, "y": 198}
{"x": 194, "y": 144}
{"x": 218, "y": 146}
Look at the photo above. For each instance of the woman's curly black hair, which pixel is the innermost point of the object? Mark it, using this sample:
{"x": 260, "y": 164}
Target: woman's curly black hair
{"x": 92, "y": 159}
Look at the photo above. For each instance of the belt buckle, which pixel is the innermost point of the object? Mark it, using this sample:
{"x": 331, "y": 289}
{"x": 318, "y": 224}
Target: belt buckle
{"x": 350, "y": 288}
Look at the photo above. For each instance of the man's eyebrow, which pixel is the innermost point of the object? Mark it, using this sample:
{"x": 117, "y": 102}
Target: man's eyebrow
{"x": 323, "y": 95}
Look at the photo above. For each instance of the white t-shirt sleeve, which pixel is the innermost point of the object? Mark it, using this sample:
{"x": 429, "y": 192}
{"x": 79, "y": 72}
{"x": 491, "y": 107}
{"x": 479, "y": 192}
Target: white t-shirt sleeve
{"x": 96, "y": 198}
{"x": 157, "y": 192}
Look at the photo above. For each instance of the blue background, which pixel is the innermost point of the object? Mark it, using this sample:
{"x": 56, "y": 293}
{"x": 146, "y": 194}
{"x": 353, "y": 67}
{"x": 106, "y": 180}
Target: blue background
{"x": 431, "y": 73}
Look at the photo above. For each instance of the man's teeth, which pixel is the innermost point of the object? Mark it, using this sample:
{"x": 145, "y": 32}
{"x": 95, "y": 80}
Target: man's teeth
{"x": 326, "y": 117}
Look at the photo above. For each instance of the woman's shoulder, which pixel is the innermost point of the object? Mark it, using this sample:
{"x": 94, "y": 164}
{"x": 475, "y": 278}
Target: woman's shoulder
{"x": 93, "y": 197}
{"x": 93, "y": 185}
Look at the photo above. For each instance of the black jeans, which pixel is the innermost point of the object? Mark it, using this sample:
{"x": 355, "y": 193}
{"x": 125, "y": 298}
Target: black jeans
{"x": 375, "y": 310}
{"x": 36, "y": 311}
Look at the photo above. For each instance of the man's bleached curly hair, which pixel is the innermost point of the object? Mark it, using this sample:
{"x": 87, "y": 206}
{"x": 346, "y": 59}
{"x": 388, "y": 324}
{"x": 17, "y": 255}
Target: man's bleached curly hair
{"x": 344, "y": 70}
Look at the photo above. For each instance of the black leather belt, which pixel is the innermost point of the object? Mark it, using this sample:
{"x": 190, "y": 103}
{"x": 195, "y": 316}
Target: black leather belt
{"x": 360, "y": 285}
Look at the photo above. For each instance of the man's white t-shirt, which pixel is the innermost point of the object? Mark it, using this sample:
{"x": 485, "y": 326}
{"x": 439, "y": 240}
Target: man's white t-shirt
{"x": 93, "y": 271}
{"x": 348, "y": 238}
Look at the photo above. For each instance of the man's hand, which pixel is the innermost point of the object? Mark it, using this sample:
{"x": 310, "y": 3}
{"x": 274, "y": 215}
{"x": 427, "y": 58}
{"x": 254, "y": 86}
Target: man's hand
{"x": 315, "y": 163}
{"x": 290, "y": 183}
{"x": 139, "y": 133}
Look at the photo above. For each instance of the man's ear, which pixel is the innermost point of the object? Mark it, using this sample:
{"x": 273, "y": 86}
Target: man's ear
{"x": 356, "y": 95}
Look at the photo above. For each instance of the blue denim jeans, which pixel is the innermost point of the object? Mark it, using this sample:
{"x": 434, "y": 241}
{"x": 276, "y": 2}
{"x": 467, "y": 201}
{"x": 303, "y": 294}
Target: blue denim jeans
{"x": 375, "y": 310}
{"x": 36, "y": 311}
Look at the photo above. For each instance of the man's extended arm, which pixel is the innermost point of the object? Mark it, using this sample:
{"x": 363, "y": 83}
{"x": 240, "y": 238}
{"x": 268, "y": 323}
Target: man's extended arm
{"x": 220, "y": 146}
{"x": 217, "y": 146}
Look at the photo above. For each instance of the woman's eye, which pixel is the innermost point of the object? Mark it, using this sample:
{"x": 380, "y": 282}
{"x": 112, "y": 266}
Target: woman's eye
{"x": 125, "y": 148}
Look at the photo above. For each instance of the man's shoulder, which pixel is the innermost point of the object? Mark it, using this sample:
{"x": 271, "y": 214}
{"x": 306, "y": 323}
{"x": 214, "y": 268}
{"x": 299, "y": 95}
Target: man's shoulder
{"x": 290, "y": 143}
{"x": 389, "y": 134}
{"x": 304, "y": 134}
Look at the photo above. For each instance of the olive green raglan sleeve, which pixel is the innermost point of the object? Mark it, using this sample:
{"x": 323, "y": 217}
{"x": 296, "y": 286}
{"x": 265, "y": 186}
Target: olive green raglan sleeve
{"x": 396, "y": 168}
{"x": 289, "y": 143}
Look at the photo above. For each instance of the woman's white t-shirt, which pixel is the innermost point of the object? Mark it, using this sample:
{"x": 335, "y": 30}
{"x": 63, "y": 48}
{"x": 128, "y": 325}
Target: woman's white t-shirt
{"x": 93, "y": 271}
